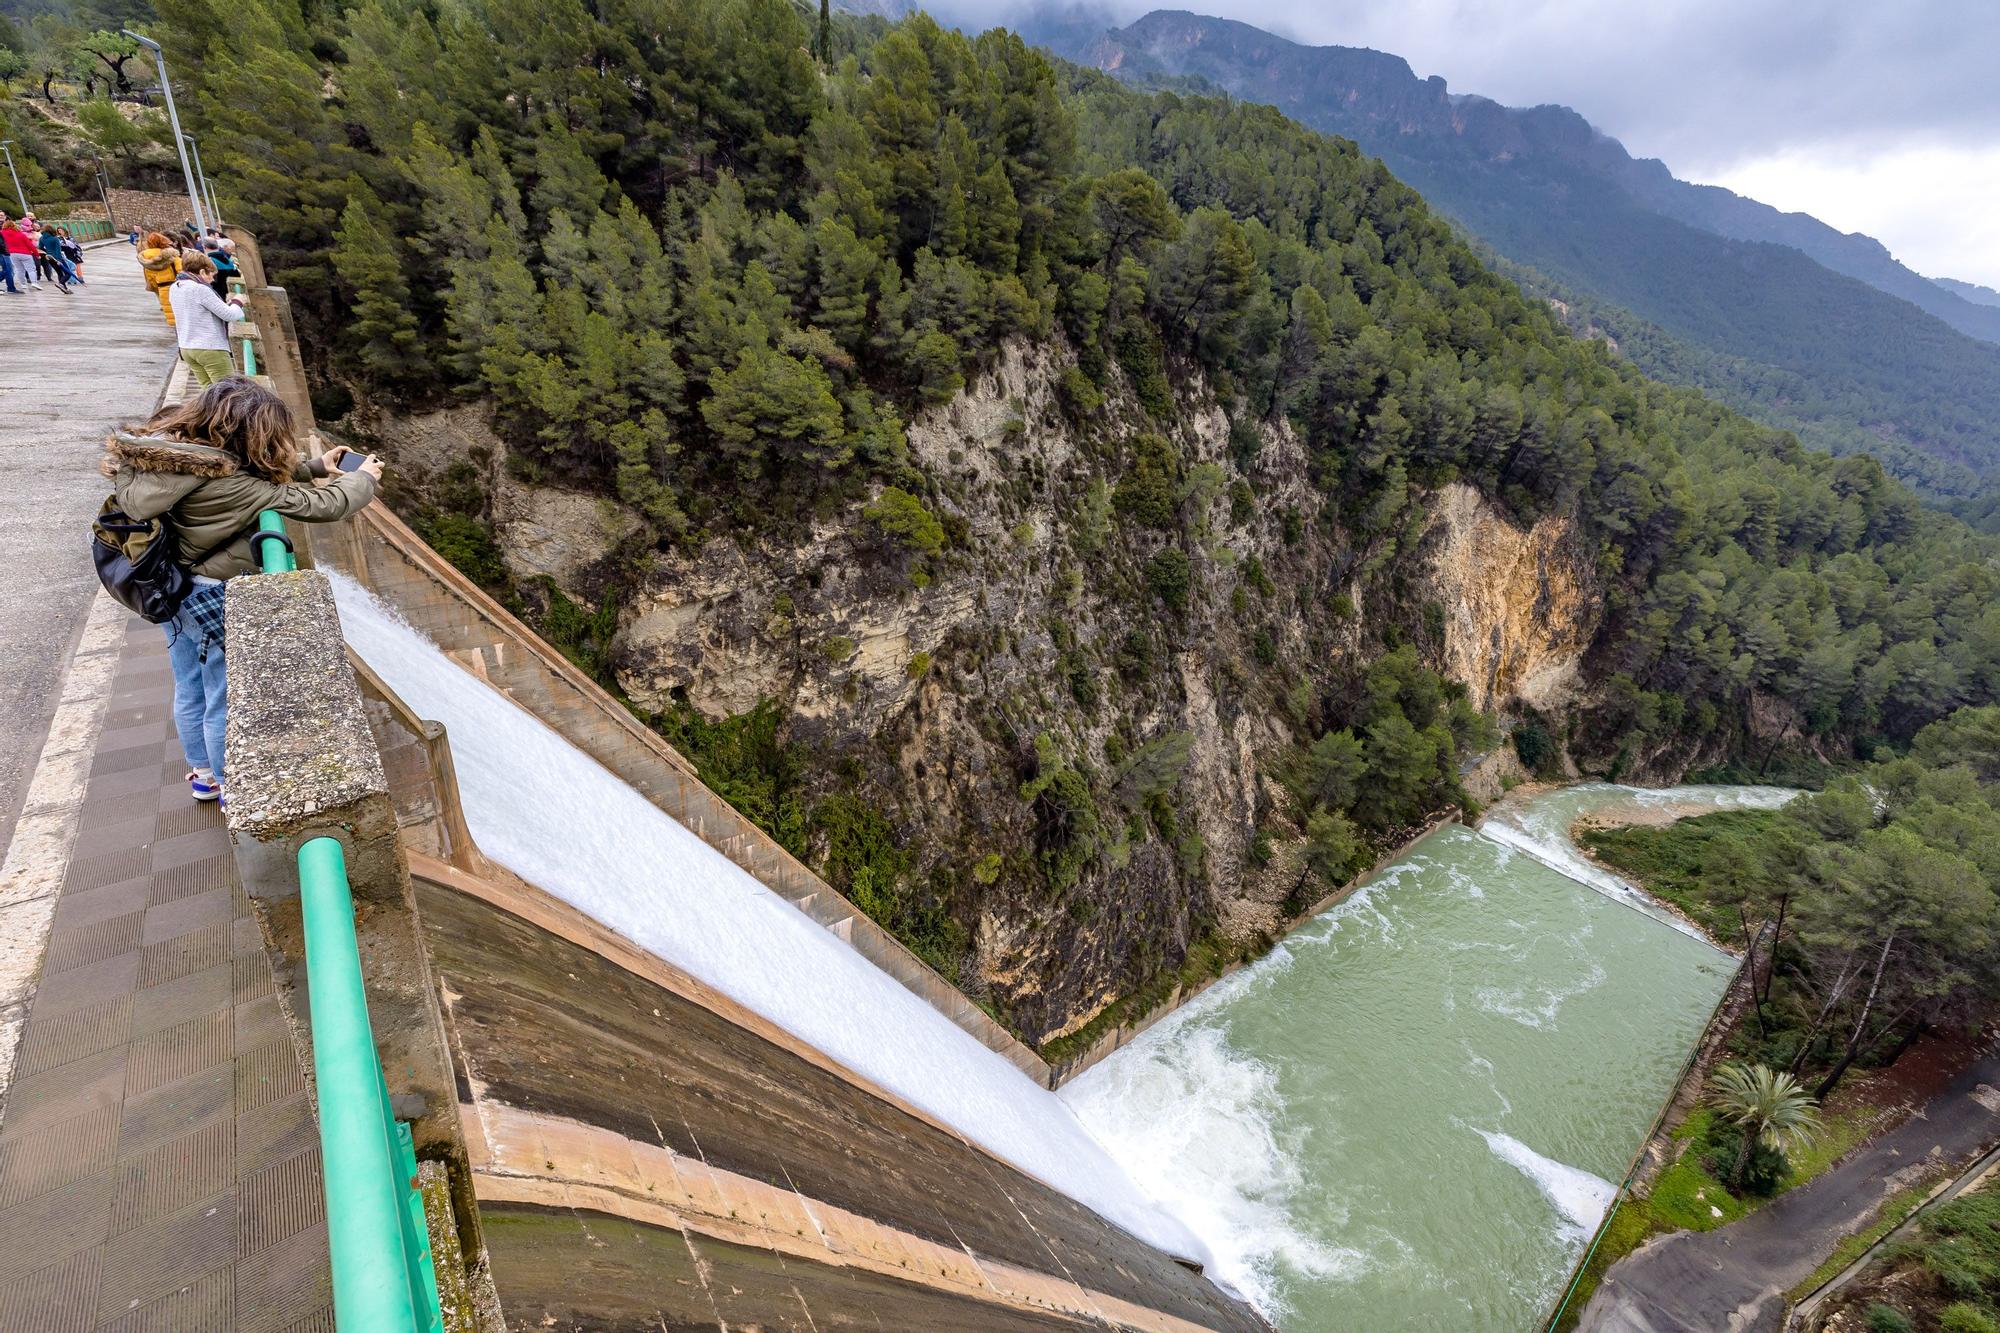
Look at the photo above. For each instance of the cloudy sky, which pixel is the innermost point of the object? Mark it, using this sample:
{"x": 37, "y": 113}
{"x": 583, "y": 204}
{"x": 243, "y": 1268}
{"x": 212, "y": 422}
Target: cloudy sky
{"x": 1880, "y": 116}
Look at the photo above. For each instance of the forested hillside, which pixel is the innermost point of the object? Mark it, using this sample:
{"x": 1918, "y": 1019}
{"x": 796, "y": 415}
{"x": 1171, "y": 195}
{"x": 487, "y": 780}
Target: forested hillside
{"x": 1130, "y": 412}
{"x": 1797, "y": 345}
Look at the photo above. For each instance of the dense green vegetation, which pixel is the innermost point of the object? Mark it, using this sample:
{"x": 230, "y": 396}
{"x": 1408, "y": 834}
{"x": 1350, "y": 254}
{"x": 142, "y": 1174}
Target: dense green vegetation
{"x": 698, "y": 267}
{"x": 1871, "y": 910}
{"x": 1837, "y": 416}
{"x": 1945, "y": 1277}
{"x": 1761, "y": 326}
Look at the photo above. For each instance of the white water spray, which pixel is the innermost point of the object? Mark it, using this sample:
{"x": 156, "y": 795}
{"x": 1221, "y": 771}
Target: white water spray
{"x": 1579, "y": 1197}
{"x": 555, "y": 817}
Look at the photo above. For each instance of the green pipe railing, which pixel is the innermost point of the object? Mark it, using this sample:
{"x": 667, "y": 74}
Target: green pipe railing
{"x": 274, "y": 551}
{"x": 383, "y": 1280}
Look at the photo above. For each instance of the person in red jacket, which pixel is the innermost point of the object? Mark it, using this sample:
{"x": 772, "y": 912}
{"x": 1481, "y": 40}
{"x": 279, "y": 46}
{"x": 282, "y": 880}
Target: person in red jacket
{"x": 20, "y": 254}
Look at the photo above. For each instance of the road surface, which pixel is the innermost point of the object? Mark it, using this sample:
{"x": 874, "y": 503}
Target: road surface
{"x": 1735, "y": 1277}
{"x": 72, "y": 367}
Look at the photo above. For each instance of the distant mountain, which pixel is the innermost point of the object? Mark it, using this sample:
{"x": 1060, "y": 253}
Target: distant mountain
{"x": 1971, "y": 291}
{"x": 1777, "y": 313}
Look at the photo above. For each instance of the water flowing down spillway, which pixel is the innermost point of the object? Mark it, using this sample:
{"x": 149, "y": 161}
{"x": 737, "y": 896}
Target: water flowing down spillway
{"x": 1410, "y": 1114}
{"x": 555, "y": 817}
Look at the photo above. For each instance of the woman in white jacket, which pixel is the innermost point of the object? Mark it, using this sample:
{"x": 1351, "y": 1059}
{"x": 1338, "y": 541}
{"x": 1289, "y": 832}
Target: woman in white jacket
{"x": 202, "y": 320}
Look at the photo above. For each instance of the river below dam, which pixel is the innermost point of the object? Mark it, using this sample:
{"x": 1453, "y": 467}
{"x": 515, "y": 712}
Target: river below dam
{"x": 1409, "y": 1114}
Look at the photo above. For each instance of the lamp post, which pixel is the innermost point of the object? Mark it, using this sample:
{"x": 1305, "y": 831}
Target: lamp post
{"x": 19, "y": 193}
{"x": 167, "y": 87}
{"x": 207, "y": 185}
{"x": 103, "y": 179}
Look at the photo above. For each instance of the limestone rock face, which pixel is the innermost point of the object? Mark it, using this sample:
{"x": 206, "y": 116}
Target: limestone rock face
{"x": 932, "y": 686}
{"x": 1519, "y": 604}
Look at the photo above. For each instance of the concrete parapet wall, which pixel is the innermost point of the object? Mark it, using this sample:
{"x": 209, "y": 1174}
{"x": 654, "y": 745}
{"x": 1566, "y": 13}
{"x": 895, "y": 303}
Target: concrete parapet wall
{"x": 302, "y": 763}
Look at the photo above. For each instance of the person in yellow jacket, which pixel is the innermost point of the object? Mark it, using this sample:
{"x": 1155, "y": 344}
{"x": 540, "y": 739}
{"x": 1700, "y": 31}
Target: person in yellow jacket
{"x": 159, "y": 264}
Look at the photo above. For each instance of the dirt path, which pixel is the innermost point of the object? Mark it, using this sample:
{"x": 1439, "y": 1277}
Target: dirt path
{"x": 1735, "y": 1277}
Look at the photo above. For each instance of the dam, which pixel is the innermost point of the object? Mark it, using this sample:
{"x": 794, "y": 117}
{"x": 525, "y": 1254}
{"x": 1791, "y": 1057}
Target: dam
{"x": 646, "y": 1070}
{"x": 400, "y": 1040}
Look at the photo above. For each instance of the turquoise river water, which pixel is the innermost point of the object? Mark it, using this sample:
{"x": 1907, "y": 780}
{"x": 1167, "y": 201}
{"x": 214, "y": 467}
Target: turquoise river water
{"x": 1408, "y": 1116}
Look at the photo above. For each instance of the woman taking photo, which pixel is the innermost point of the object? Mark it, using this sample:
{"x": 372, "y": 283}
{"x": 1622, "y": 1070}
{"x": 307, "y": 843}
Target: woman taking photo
{"x": 212, "y": 464}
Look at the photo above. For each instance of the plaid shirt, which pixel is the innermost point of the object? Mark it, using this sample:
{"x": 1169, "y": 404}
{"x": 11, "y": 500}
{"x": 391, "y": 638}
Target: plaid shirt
{"x": 201, "y": 615}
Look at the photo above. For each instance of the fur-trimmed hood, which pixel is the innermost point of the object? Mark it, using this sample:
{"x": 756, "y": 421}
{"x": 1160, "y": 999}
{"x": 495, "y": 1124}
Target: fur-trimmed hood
{"x": 162, "y": 453}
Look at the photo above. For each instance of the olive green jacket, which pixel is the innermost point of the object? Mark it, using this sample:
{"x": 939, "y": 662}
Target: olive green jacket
{"x": 211, "y": 497}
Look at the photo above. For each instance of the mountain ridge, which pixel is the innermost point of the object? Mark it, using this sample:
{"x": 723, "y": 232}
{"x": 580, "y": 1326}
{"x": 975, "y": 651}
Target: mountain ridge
{"x": 1507, "y": 132}
{"x": 1762, "y": 325}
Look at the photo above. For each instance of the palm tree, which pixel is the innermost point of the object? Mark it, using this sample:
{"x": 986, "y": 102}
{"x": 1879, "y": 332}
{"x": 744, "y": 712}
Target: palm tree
{"x": 1772, "y": 1108}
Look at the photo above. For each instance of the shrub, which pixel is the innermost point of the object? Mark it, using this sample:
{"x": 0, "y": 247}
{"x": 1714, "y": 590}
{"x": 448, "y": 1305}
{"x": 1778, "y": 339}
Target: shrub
{"x": 1242, "y": 502}
{"x": 468, "y": 544}
{"x": 1965, "y": 1317}
{"x": 1148, "y": 492}
{"x": 838, "y": 648}
{"x": 1264, "y": 648}
{"x": 902, "y": 518}
{"x": 919, "y": 664}
{"x": 1079, "y": 396}
{"x": 1170, "y": 575}
{"x": 1534, "y": 745}
{"x": 1888, "y": 1319}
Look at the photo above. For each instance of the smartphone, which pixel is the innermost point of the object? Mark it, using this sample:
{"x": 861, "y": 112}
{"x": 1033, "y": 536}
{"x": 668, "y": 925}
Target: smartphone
{"x": 352, "y": 461}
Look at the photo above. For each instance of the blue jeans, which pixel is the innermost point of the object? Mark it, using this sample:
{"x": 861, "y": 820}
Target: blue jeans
{"x": 201, "y": 692}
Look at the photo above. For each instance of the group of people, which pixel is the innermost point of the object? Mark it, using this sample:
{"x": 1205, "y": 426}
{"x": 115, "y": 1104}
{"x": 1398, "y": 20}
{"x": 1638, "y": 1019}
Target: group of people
{"x": 163, "y": 256}
{"x": 190, "y": 275}
{"x": 37, "y": 255}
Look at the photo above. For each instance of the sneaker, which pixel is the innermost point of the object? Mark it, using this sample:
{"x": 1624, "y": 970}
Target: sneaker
{"x": 204, "y": 789}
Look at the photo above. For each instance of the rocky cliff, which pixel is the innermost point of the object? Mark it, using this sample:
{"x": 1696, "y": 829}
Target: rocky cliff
{"x": 1074, "y": 750}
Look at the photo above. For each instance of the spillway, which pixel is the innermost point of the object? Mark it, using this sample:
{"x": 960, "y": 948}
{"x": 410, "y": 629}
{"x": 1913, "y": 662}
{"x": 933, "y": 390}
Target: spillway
{"x": 555, "y": 817}
{"x": 1409, "y": 1115}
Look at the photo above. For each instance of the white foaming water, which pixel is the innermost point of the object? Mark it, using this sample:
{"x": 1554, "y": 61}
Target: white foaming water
{"x": 1541, "y": 830}
{"x": 555, "y": 817}
{"x": 1580, "y": 1197}
{"x": 1195, "y": 1123}
{"x": 1208, "y": 1147}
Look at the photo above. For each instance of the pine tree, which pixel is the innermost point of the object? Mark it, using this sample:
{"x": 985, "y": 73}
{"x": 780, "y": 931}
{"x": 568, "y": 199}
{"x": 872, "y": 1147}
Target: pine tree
{"x": 381, "y": 333}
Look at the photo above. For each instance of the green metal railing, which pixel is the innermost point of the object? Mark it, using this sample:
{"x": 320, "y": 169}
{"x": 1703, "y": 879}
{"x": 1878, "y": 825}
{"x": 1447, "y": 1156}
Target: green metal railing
{"x": 379, "y": 1246}
{"x": 84, "y": 229}
{"x": 383, "y": 1280}
{"x": 274, "y": 548}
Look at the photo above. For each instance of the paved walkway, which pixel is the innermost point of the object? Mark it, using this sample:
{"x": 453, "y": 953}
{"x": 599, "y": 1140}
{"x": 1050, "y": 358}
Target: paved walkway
{"x": 159, "y": 1160}
{"x": 73, "y": 366}
{"x": 159, "y": 1163}
{"x": 1735, "y": 1277}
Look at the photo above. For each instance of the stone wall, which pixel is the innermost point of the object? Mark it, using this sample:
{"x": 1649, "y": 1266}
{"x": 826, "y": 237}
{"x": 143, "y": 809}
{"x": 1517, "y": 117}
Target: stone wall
{"x": 148, "y": 210}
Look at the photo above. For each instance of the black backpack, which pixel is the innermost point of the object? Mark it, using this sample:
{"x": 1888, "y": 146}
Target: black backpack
{"x": 135, "y": 561}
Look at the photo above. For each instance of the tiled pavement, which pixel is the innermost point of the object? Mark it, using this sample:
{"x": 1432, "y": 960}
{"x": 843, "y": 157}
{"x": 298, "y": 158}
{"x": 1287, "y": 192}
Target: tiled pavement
{"x": 159, "y": 1164}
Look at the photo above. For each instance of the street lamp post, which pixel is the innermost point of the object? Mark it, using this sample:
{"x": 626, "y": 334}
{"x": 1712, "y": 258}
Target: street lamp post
{"x": 207, "y": 185}
{"x": 19, "y": 193}
{"x": 167, "y": 87}
{"x": 103, "y": 179}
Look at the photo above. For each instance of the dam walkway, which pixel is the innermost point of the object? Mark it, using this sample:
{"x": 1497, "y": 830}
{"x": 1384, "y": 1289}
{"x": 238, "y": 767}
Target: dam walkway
{"x": 159, "y": 1160}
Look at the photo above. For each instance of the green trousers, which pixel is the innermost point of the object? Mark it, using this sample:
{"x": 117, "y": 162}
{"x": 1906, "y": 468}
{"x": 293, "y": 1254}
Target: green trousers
{"x": 208, "y": 364}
